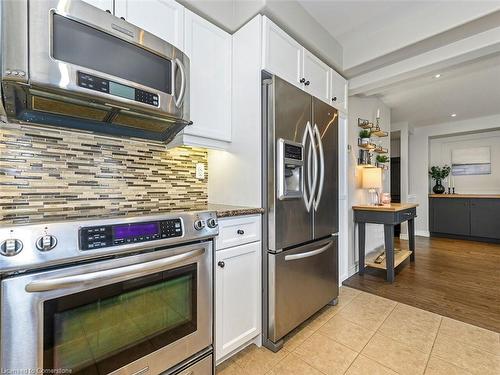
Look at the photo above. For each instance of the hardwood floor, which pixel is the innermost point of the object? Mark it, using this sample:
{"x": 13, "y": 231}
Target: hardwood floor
{"x": 454, "y": 278}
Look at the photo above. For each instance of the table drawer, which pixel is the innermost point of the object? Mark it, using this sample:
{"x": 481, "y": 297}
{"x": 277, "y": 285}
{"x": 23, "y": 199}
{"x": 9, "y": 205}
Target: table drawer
{"x": 406, "y": 215}
{"x": 237, "y": 231}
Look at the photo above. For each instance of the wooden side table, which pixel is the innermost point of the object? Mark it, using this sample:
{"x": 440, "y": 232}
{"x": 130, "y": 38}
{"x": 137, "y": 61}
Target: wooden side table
{"x": 389, "y": 216}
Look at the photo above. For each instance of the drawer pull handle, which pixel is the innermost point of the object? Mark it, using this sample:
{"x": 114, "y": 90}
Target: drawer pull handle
{"x": 221, "y": 264}
{"x": 240, "y": 231}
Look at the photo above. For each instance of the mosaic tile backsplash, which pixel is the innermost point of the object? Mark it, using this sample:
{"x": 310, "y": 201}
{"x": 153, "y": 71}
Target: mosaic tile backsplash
{"x": 52, "y": 174}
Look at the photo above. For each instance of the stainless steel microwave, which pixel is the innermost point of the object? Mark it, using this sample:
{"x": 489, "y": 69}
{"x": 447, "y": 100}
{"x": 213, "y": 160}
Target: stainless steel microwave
{"x": 67, "y": 63}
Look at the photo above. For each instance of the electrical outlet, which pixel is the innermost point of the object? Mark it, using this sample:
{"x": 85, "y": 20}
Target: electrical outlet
{"x": 200, "y": 171}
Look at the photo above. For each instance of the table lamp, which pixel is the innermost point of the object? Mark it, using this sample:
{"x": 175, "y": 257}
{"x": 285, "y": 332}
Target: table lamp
{"x": 372, "y": 180}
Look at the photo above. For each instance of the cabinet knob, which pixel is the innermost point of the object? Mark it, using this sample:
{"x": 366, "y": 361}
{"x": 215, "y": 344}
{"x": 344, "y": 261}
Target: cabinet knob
{"x": 240, "y": 231}
{"x": 123, "y": 18}
{"x": 302, "y": 80}
{"x": 221, "y": 264}
{"x": 108, "y": 11}
{"x": 307, "y": 83}
{"x": 334, "y": 99}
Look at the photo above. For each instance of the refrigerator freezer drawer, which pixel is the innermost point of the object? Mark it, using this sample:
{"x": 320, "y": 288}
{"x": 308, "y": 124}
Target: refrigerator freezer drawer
{"x": 301, "y": 281}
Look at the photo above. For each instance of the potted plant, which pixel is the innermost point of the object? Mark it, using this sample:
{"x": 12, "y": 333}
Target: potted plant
{"x": 438, "y": 174}
{"x": 364, "y": 135}
{"x": 381, "y": 160}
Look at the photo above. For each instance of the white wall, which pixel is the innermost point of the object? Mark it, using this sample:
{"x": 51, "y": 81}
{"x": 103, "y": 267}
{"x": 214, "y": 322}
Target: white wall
{"x": 365, "y": 108}
{"x": 440, "y": 150}
{"x": 419, "y": 159}
{"x": 235, "y": 175}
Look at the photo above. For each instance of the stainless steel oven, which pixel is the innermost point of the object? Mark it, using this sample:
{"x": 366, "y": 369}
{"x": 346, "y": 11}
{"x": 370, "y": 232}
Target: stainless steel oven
{"x": 145, "y": 312}
{"x": 68, "y": 63}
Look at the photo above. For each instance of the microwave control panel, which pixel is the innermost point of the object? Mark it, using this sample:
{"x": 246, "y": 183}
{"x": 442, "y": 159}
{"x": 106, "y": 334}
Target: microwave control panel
{"x": 121, "y": 234}
{"x": 107, "y": 86}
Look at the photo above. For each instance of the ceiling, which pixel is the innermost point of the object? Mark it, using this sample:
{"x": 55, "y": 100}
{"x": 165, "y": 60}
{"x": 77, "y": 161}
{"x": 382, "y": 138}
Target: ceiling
{"x": 368, "y": 30}
{"x": 377, "y": 34}
{"x": 470, "y": 90}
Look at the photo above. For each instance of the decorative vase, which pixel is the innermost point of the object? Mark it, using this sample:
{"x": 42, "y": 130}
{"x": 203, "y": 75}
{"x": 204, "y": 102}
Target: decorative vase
{"x": 438, "y": 188}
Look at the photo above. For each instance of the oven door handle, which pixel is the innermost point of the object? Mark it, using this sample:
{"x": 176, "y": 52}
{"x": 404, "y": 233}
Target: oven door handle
{"x": 134, "y": 270}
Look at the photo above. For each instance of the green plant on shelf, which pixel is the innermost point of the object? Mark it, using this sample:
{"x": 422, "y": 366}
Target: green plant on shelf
{"x": 382, "y": 159}
{"x": 439, "y": 173}
{"x": 364, "y": 134}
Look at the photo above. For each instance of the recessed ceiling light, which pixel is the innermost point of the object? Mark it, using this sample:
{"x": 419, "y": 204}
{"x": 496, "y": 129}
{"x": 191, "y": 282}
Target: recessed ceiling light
{"x": 453, "y": 115}
{"x": 437, "y": 75}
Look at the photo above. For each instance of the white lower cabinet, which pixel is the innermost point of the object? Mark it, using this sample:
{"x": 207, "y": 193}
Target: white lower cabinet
{"x": 237, "y": 297}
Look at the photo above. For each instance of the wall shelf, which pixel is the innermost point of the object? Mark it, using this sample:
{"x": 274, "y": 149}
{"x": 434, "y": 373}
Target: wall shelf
{"x": 379, "y": 133}
{"x": 364, "y": 124}
{"x": 380, "y": 150}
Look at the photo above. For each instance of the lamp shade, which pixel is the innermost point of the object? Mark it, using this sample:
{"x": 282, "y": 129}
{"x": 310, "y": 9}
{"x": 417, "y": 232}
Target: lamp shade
{"x": 372, "y": 178}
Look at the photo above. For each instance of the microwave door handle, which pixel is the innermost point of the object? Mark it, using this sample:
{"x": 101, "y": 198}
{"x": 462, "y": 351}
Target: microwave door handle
{"x": 321, "y": 153}
{"x": 179, "y": 99}
{"x": 92, "y": 278}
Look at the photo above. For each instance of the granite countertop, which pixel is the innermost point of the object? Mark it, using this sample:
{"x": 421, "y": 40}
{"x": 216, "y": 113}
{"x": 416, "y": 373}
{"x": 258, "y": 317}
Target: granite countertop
{"x": 393, "y": 207}
{"x": 493, "y": 196}
{"x": 223, "y": 210}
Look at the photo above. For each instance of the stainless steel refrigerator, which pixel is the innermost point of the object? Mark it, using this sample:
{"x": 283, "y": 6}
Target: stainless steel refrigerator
{"x": 300, "y": 197}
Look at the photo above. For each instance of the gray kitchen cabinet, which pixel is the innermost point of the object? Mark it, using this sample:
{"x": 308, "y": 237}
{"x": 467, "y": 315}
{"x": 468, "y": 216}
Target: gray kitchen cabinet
{"x": 450, "y": 216}
{"x": 485, "y": 218}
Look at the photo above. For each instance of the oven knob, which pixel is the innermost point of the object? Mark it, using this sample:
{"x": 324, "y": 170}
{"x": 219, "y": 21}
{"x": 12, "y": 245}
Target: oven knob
{"x": 199, "y": 224}
{"x": 211, "y": 223}
{"x": 11, "y": 247}
{"x": 46, "y": 243}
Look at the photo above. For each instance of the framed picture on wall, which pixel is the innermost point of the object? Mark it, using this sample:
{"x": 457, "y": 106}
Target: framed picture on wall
{"x": 471, "y": 161}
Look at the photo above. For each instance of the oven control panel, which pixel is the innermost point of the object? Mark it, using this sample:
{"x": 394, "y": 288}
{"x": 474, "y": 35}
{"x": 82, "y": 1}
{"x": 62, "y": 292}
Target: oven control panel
{"x": 97, "y": 237}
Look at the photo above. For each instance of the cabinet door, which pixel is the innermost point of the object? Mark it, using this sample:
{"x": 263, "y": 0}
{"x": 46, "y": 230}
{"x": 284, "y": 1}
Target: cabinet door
{"x": 209, "y": 50}
{"x": 317, "y": 76}
{"x": 238, "y": 297}
{"x": 338, "y": 91}
{"x": 102, "y": 4}
{"x": 485, "y": 218}
{"x": 450, "y": 216}
{"x": 281, "y": 54}
{"x": 163, "y": 18}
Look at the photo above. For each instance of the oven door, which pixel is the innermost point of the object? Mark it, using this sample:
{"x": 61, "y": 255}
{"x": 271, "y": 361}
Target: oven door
{"x": 71, "y": 37}
{"x": 141, "y": 313}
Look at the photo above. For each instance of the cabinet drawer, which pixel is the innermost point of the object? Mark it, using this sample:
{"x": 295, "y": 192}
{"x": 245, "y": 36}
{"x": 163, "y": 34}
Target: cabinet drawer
{"x": 238, "y": 231}
{"x": 407, "y": 214}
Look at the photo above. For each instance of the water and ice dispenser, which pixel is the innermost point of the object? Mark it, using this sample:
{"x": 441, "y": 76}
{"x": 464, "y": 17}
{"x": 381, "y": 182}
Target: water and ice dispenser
{"x": 290, "y": 169}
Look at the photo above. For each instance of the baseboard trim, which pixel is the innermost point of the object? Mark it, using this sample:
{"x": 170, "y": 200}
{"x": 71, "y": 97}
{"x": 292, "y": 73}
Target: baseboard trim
{"x": 422, "y": 233}
{"x": 352, "y": 270}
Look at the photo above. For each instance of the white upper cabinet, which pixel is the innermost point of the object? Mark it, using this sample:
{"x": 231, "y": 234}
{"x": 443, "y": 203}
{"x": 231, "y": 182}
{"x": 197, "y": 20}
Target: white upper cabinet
{"x": 102, "y": 4}
{"x": 317, "y": 76}
{"x": 338, "y": 91}
{"x": 209, "y": 50}
{"x": 163, "y": 18}
{"x": 282, "y": 55}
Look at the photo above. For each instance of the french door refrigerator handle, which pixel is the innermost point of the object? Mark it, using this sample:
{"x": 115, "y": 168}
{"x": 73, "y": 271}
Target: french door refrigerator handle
{"x": 308, "y": 133}
{"x": 134, "y": 270}
{"x": 317, "y": 199}
{"x": 308, "y": 253}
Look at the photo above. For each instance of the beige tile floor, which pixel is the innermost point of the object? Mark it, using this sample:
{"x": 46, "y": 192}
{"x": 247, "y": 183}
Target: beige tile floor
{"x": 370, "y": 335}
